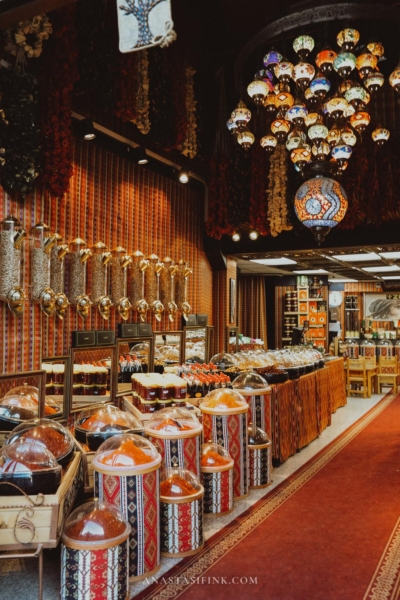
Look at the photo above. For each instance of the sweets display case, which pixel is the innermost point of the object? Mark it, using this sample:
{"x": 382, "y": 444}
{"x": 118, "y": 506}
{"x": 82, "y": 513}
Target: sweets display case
{"x": 198, "y": 343}
{"x": 168, "y": 349}
{"x": 57, "y": 370}
{"x": 134, "y": 355}
{"x": 216, "y": 467}
{"x": 92, "y": 376}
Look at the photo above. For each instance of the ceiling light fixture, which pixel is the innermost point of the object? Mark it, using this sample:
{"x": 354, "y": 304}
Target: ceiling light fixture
{"x": 366, "y": 256}
{"x": 183, "y": 176}
{"x": 392, "y": 255}
{"x": 343, "y": 280}
{"x": 381, "y": 269}
{"x": 141, "y": 156}
{"x": 87, "y": 129}
{"x": 311, "y": 272}
{"x": 390, "y": 277}
{"x": 253, "y": 235}
{"x": 236, "y": 236}
{"x": 274, "y": 262}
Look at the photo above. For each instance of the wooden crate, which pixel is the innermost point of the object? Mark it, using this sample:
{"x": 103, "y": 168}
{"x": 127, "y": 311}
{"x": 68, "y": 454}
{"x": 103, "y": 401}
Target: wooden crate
{"x": 26, "y": 521}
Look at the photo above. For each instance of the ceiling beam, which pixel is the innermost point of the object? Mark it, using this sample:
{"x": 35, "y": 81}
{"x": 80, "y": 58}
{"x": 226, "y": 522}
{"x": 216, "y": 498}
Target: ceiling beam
{"x": 13, "y": 11}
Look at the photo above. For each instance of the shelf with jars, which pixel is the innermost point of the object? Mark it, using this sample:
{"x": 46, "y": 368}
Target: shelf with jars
{"x": 302, "y": 304}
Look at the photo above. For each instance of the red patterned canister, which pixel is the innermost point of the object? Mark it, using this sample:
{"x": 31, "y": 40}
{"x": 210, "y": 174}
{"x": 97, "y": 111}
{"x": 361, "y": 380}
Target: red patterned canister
{"x": 126, "y": 474}
{"x": 225, "y": 423}
{"x": 258, "y": 396}
{"x": 260, "y": 457}
{"x": 385, "y": 349}
{"x": 181, "y": 497}
{"x": 176, "y": 433}
{"x": 217, "y": 479}
{"x": 94, "y": 554}
{"x": 367, "y": 349}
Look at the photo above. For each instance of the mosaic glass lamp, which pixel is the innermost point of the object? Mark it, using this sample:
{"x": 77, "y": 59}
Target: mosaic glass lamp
{"x": 374, "y": 81}
{"x": 360, "y": 120}
{"x": 320, "y": 204}
{"x": 284, "y": 71}
{"x": 376, "y": 48}
{"x": 280, "y": 128}
{"x": 303, "y": 45}
{"x": 258, "y": 90}
{"x": 348, "y": 136}
{"x": 284, "y": 100}
{"x": 318, "y": 132}
{"x": 321, "y": 151}
{"x": 394, "y": 78}
{"x": 333, "y": 136}
{"x": 336, "y": 107}
{"x": 348, "y": 38}
{"x": 297, "y": 113}
{"x": 265, "y": 75}
{"x": 301, "y": 156}
{"x": 270, "y": 103}
{"x": 272, "y": 58}
{"x": 320, "y": 86}
{"x": 357, "y": 96}
{"x": 380, "y": 135}
{"x": 366, "y": 62}
{"x": 324, "y": 60}
{"x": 232, "y": 127}
{"x": 303, "y": 73}
{"x": 341, "y": 153}
{"x": 295, "y": 139}
{"x": 245, "y": 139}
{"x": 344, "y": 63}
{"x": 269, "y": 142}
{"x": 241, "y": 115}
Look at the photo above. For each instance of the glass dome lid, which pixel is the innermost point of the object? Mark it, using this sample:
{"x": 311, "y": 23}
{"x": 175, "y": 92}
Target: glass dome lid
{"x": 179, "y": 483}
{"x": 173, "y": 422}
{"x": 51, "y": 434}
{"x": 224, "y": 401}
{"x": 95, "y": 522}
{"x": 223, "y": 360}
{"x": 107, "y": 419}
{"x": 214, "y": 456}
{"x": 257, "y": 436}
{"x": 140, "y": 349}
{"x": 250, "y": 382}
{"x": 26, "y": 456}
{"x": 25, "y": 391}
{"x": 126, "y": 452}
{"x": 384, "y": 342}
{"x": 367, "y": 343}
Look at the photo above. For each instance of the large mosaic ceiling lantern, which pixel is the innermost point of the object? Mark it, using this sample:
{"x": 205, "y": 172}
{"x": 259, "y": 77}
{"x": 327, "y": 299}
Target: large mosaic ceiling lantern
{"x": 320, "y": 204}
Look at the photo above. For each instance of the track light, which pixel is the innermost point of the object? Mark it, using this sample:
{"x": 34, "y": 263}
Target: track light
{"x": 141, "y": 156}
{"x": 183, "y": 176}
{"x": 87, "y": 129}
{"x": 236, "y": 236}
{"x": 253, "y": 235}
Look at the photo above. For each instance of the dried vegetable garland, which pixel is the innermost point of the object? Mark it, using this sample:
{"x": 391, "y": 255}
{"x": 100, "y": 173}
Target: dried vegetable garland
{"x": 189, "y": 146}
{"x": 26, "y": 39}
{"x": 218, "y": 222}
{"x": 278, "y": 214}
{"x": 20, "y": 145}
{"x": 258, "y": 212}
{"x": 58, "y": 74}
{"x": 141, "y": 119}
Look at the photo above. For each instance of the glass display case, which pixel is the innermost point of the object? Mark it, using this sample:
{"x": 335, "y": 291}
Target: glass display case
{"x": 196, "y": 344}
{"x": 92, "y": 376}
{"x": 168, "y": 349}
{"x": 58, "y": 382}
{"x": 232, "y": 339}
{"x": 16, "y": 407}
{"x": 134, "y": 355}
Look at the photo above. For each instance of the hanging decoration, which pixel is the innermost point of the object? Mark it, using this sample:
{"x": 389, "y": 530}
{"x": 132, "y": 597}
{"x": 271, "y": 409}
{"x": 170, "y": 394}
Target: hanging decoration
{"x": 189, "y": 146}
{"x": 26, "y": 39}
{"x": 258, "y": 211}
{"x": 141, "y": 118}
{"x": 125, "y": 88}
{"x": 278, "y": 214}
{"x": 20, "y": 146}
{"x": 58, "y": 74}
{"x": 219, "y": 222}
{"x": 161, "y": 101}
{"x": 144, "y": 23}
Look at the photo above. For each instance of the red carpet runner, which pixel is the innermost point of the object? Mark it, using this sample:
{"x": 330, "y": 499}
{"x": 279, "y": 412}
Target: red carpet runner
{"x": 331, "y": 531}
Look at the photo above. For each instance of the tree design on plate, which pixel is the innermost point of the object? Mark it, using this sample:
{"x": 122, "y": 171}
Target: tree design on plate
{"x": 141, "y": 10}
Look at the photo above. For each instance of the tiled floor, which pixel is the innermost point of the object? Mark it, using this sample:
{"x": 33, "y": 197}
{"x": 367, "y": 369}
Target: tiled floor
{"x": 18, "y": 577}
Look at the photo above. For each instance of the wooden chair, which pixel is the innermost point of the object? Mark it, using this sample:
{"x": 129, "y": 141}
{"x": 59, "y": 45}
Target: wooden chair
{"x": 388, "y": 373}
{"x": 357, "y": 379}
{"x": 372, "y": 374}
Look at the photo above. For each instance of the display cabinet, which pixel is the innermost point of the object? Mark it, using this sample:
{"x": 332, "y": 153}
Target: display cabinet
{"x": 57, "y": 386}
{"x": 168, "y": 349}
{"x": 133, "y": 355}
{"x": 196, "y": 344}
{"x": 92, "y": 377}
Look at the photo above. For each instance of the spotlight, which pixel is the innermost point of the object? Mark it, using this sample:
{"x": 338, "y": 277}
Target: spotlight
{"x": 253, "y": 235}
{"x": 87, "y": 129}
{"x": 236, "y": 236}
{"x": 141, "y": 156}
{"x": 183, "y": 176}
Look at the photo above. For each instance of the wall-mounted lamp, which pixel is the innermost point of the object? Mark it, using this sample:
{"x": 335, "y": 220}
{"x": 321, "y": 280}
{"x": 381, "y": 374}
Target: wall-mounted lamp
{"x": 87, "y": 129}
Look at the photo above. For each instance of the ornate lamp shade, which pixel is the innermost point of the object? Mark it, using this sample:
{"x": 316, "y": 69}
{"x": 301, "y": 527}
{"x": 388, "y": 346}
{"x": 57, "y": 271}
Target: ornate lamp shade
{"x": 311, "y": 118}
{"x": 320, "y": 86}
{"x": 318, "y": 132}
{"x": 284, "y": 100}
{"x": 265, "y": 75}
{"x": 336, "y": 106}
{"x": 374, "y": 81}
{"x": 348, "y": 38}
{"x": 269, "y": 142}
{"x": 303, "y": 45}
{"x": 394, "y": 78}
{"x": 324, "y": 60}
{"x": 245, "y": 139}
{"x": 270, "y": 103}
{"x": 360, "y": 120}
{"x": 366, "y": 63}
{"x": 376, "y": 48}
{"x": 295, "y": 139}
{"x": 272, "y": 58}
{"x": 258, "y": 90}
{"x": 301, "y": 156}
{"x": 232, "y": 127}
{"x": 350, "y": 110}
{"x": 284, "y": 71}
{"x": 346, "y": 85}
{"x": 341, "y": 153}
{"x": 333, "y": 136}
{"x": 380, "y": 135}
{"x": 321, "y": 151}
{"x": 297, "y": 113}
{"x": 303, "y": 73}
{"x": 344, "y": 63}
{"x": 348, "y": 136}
{"x": 280, "y": 128}
{"x": 320, "y": 204}
{"x": 309, "y": 96}
{"x": 357, "y": 96}
{"x": 241, "y": 115}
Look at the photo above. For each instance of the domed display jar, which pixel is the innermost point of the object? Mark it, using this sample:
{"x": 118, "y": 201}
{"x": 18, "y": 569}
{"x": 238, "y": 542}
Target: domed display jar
{"x": 217, "y": 478}
{"x": 127, "y": 466}
{"x": 384, "y": 349}
{"x": 181, "y": 495}
{"x": 95, "y": 543}
{"x": 367, "y": 349}
{"x": 353, "y": 349}
{"x": 258, "y": 395}
{"x": 225, "y": 422}
{"x": 96, "y": 425}
{"x": 260, "y": 457}
{"x": 29, "y": 465}
{"x": 176, "y": 433}
{"x": 51, "y": 434}
{"x": 227, "y": 363}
